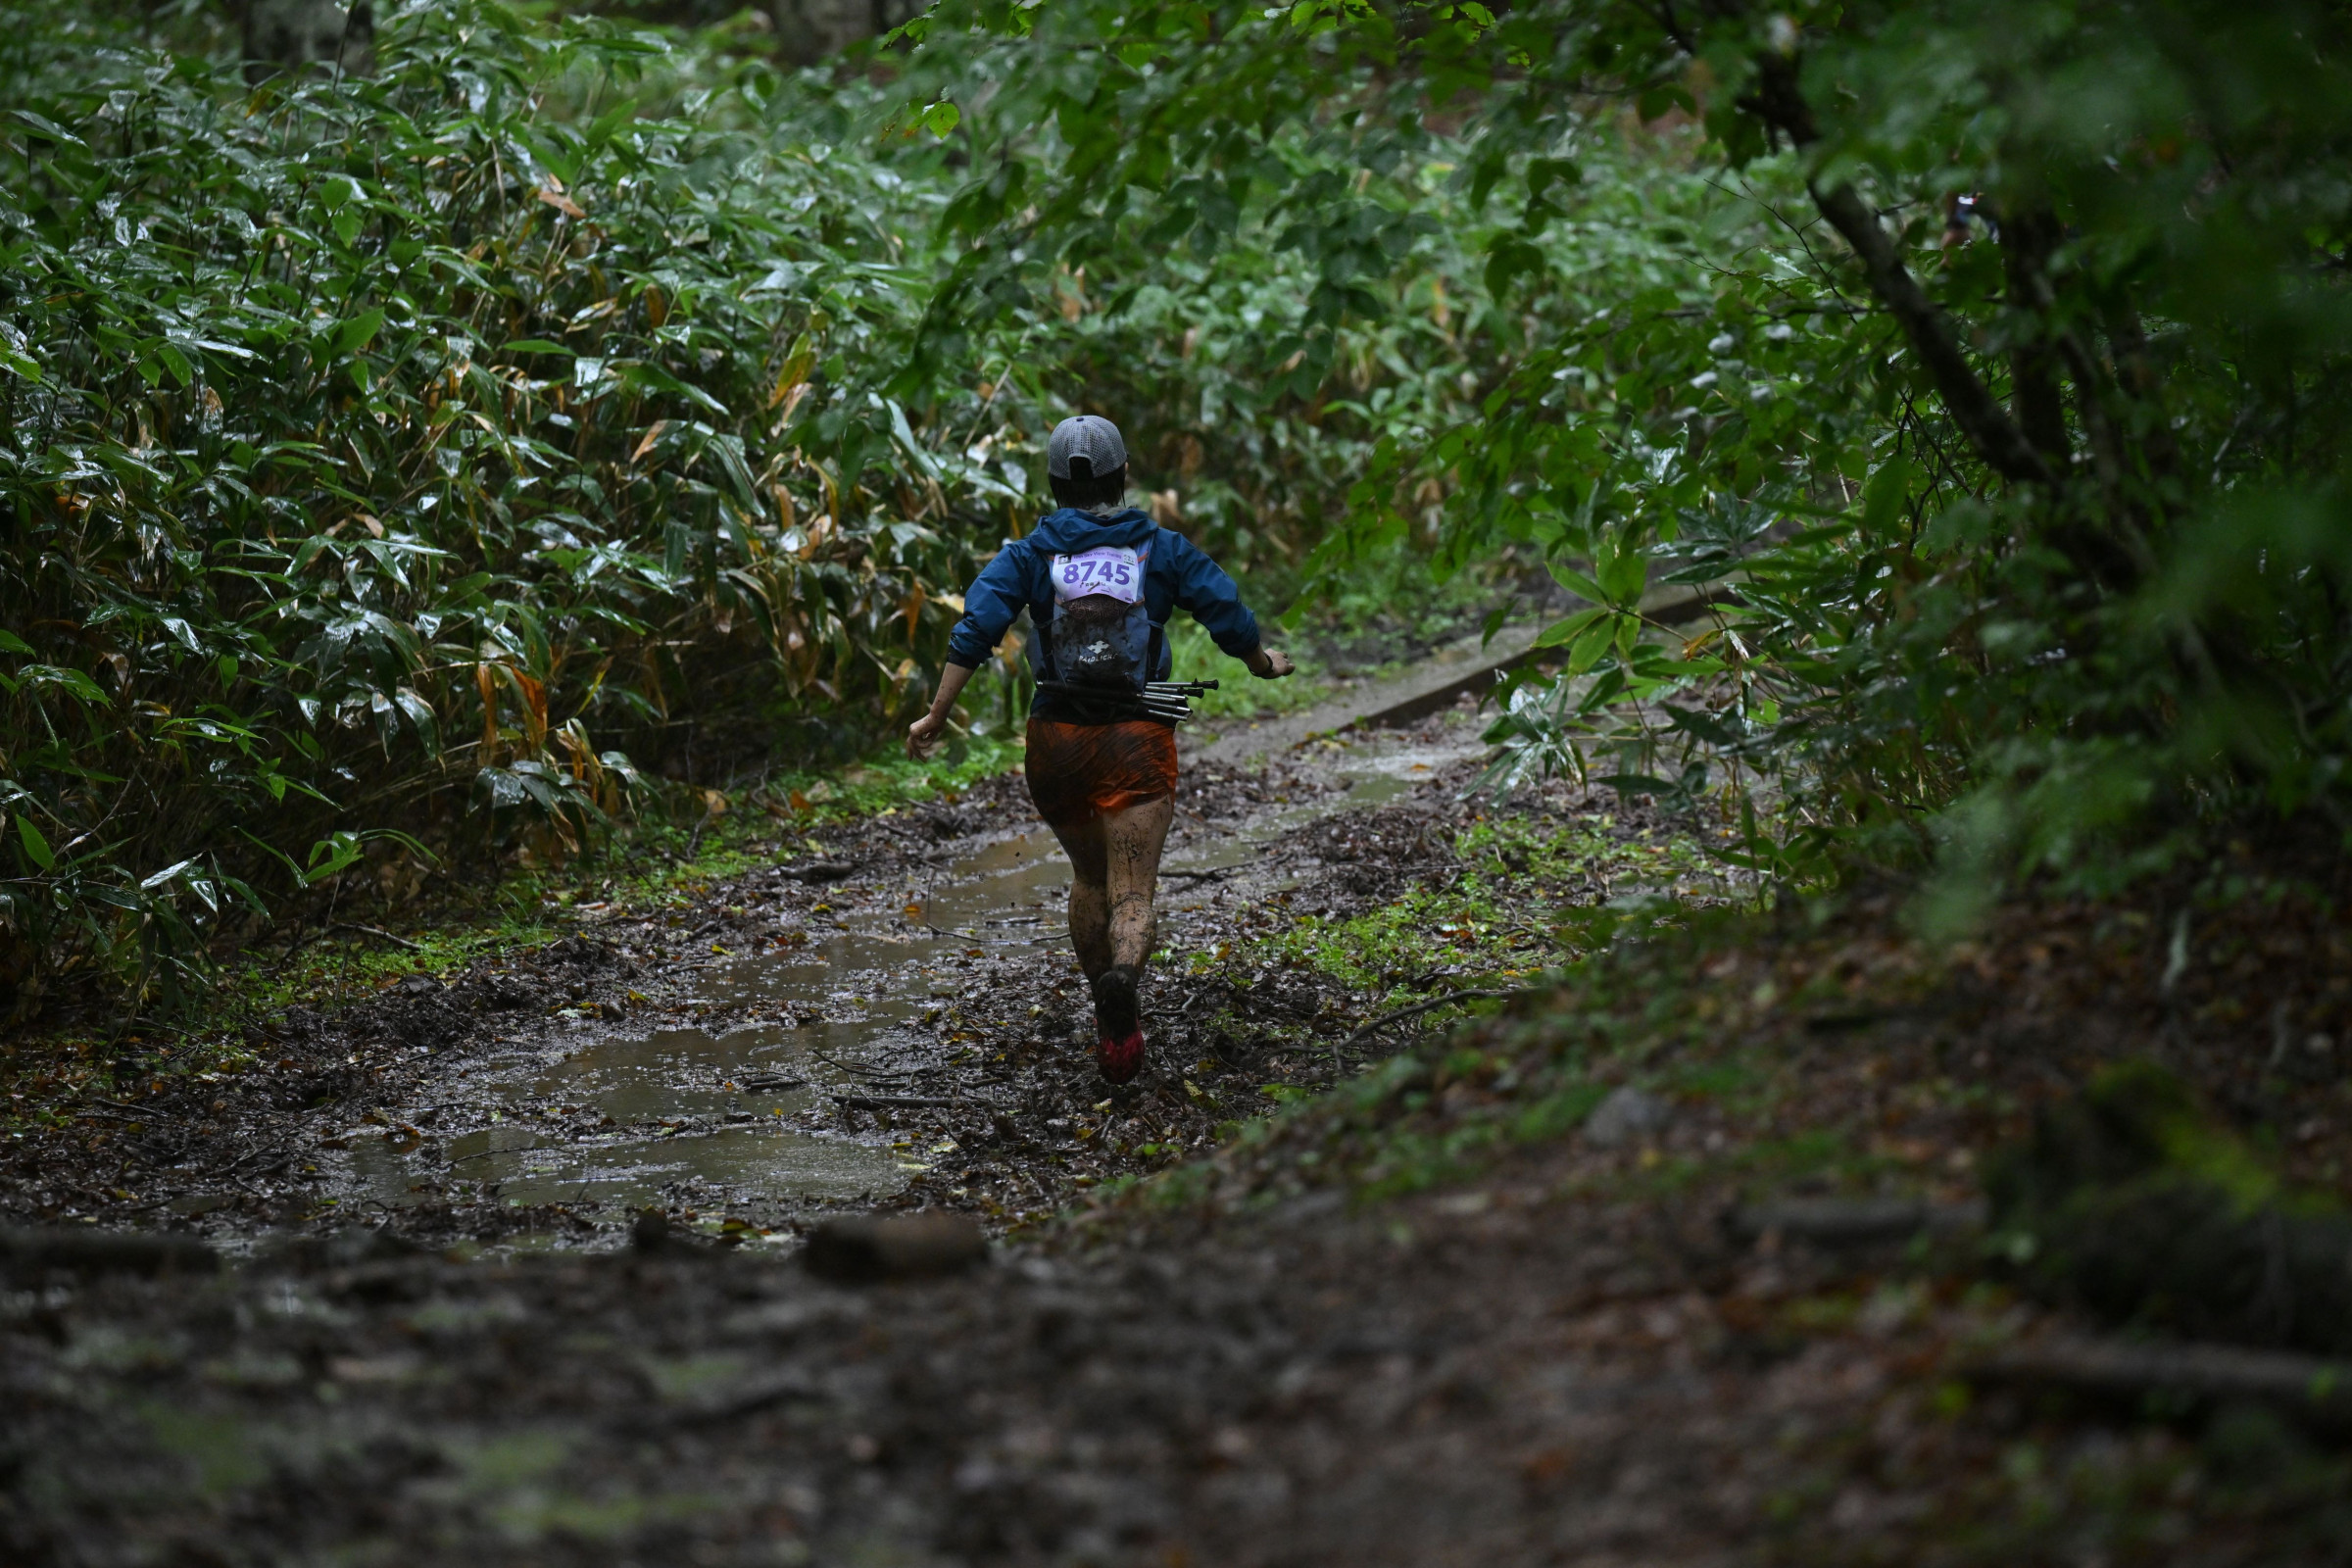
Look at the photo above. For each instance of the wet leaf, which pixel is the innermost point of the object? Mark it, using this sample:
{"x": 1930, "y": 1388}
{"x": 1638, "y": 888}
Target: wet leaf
{"x": 36, "y": 844}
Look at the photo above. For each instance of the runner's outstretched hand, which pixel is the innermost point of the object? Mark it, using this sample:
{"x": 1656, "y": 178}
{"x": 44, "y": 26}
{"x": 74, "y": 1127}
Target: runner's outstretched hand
{"x": 1269, "y": 664}
{"x": 924, "y": 732}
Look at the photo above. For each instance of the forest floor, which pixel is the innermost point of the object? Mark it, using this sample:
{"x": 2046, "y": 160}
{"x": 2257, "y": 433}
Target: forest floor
{"x": 1671, "y": 1256}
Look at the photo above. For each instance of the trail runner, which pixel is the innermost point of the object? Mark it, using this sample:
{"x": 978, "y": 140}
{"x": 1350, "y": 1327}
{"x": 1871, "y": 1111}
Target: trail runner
{"x": 1099, "y": 579}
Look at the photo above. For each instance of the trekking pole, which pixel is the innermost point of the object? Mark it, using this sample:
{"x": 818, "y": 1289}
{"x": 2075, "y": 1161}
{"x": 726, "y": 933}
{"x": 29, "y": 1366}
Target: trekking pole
{"x": 1166, "y": 700}
{"x": 1168, "y": 707}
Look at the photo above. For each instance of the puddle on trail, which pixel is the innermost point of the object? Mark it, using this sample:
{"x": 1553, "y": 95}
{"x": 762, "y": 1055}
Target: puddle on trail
{"x": 686, "y": 1105}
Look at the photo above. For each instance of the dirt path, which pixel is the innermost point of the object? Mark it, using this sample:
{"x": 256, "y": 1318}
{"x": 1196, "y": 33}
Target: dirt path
{"x": 1498, "y": 1342}
{"x": 892, "y": 1016}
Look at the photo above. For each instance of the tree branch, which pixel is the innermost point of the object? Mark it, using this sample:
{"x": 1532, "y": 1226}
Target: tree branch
{"x": 2136, "y": 374}
{"x": 1998, "y": 440}
{"x": 2034, "y": 398}
{"x": 1430, "y": 1006}
{"x": 2314, "y": 1389}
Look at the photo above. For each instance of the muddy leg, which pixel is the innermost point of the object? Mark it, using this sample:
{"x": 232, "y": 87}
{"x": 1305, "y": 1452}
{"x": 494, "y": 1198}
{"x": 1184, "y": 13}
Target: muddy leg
{"x": 1132, "y": 841}
{"x": 1089, "y": 897}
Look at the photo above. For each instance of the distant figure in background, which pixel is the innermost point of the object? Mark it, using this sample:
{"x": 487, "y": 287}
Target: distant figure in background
{"x": 1967, "y": 212}
{"x": 308, "y": 37}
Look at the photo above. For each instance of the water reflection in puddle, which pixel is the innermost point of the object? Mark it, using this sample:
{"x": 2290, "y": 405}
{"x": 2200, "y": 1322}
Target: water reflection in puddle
{"x": 530, "y": 1167}
{"x": 684, "y": 1104}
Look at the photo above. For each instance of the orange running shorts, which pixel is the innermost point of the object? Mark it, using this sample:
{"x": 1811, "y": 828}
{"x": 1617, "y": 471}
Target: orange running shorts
{"x": 1079, "y": 771}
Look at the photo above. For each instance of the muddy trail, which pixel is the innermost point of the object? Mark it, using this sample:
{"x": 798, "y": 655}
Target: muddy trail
{"x": 891, "y": 1016}
{"x": 515, "y": 1267}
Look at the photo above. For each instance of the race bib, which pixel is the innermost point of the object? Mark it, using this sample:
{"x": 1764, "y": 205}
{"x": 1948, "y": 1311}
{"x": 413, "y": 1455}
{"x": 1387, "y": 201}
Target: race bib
{"x": 1112, "y": 571}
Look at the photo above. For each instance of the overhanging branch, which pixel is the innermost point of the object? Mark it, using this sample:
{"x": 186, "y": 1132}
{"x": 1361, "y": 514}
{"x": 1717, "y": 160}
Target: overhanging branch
{"x": 1971, "y": 403}
{"x": 1996, "y": 437}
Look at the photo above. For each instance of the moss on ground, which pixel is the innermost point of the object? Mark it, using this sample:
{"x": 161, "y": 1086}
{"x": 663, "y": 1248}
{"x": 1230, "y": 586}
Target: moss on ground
{"x": 1817, "y": 1044}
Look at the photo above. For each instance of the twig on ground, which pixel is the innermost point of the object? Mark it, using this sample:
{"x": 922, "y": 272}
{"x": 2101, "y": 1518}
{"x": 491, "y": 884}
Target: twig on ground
{"x": 1201, "y": 995}
{"x": 861, "y": 1070}
{"x": 973, "y": 935}
{"x": 890, "y": 1101}
{"x": 2304, "y": 1384}
{"x": 134, "y": 1117}
{"x": 1430, "y": 1006}
{"x": 143, "y": 1112}
{"x": 284, "y": 1149}
{"x": 378, "y": 931}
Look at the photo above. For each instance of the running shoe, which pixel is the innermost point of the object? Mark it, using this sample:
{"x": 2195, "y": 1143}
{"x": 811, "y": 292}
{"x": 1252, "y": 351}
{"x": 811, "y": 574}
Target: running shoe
{"x": 1118, "y": 1024}
{"x": 1119, "y": 1060}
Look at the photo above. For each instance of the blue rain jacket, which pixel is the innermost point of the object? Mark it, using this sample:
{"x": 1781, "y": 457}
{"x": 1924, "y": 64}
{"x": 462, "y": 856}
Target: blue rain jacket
{"x": 1178, "y": 577}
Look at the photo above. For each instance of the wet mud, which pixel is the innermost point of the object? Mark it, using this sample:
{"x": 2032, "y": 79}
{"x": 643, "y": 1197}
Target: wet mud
{"x": 892, "y": 1016}
{"x": 453, "y": 1207}
{"x": 1514, "y": 1381}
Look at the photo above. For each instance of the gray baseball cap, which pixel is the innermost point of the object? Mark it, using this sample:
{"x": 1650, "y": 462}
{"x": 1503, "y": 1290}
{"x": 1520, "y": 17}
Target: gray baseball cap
{"x": 1089, "y": 436}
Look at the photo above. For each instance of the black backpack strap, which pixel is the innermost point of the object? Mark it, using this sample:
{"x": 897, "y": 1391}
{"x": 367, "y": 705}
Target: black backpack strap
{"x": 1040, "y": 647}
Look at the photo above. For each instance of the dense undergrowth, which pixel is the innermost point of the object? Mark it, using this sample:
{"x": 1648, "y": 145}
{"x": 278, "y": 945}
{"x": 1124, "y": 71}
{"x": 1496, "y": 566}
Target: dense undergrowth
{"x": 437, "y": 467}
{"x": 1935, "y": 411}
{"x": 1983, "y": 362}
{"x": 363, "y": 482}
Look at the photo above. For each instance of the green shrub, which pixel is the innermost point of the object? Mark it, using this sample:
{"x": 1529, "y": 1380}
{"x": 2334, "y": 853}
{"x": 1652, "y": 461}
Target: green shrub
{"x": 403, "y": 456}
{"x": 424, "y": 461}
{"x": 1988, "y": 359}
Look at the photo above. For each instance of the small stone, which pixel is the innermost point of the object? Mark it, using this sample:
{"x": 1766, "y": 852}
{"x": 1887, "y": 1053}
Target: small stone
{"x": 1627, "y": 1115}
{"x": 654, "y": 1236}
{"x": 865, "y": 1249}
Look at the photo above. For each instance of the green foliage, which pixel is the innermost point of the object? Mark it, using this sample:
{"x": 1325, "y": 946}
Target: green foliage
{"x": 1534, "y": 896}
{"x": 1985, "y": 363}
{"x": 424, "y": 453}
{"x": 385, "y": 451}
{"x": 1936, "y": 409}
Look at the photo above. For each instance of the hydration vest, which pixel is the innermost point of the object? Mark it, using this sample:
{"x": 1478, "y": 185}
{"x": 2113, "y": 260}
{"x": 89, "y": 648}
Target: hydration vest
{"x": 1101, "y": 634}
